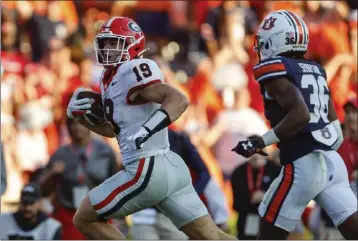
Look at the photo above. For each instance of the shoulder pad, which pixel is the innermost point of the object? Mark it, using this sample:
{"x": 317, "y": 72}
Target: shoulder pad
{"x": 270, "y": 68}
{"x": 137, "y": 74}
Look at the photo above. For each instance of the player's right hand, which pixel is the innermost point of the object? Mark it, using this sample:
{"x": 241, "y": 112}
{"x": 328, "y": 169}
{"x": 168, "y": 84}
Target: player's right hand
{"x": 247, "y": 148}
{"x": 78, "y": 107}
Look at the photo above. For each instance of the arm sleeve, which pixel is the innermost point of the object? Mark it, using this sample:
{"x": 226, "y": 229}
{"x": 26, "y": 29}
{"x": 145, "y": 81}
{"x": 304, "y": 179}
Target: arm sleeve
{"x": 3, "y": 172}
{"x": 239, "y": 187}
{"x": 197, "y": 164}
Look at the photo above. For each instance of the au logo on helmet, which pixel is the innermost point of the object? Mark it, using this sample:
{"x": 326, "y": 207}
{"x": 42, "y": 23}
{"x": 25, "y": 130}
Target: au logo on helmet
{"x": 134, "y": 27}
{"x": 269, "y": 23}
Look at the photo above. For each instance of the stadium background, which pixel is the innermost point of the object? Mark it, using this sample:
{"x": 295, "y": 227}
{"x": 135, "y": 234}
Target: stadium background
{"x": 204, "y": 48}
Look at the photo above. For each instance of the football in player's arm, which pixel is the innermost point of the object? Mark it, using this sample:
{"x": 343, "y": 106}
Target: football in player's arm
{"x": 137, "y": 108}
{"x": 173, "y": 104}
{"x": 78, "y": 107}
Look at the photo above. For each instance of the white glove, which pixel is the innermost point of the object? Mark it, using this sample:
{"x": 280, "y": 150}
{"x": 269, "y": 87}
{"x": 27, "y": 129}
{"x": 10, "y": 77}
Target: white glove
{"x": 136, "y": 142}
{"x": 78, "y": 107}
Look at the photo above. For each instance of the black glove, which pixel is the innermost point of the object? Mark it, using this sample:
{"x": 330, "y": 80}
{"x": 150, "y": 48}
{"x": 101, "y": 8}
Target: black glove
{"x": 247, "y": 148}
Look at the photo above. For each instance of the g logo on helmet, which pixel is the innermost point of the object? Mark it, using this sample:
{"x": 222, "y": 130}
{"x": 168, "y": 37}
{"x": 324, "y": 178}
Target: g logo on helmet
{"x": 134, "y": 27}
{"x": 269, "y": 23}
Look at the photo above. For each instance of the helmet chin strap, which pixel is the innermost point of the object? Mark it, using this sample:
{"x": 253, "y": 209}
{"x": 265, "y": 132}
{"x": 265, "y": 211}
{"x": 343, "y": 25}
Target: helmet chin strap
{"x": 140, "y": 54}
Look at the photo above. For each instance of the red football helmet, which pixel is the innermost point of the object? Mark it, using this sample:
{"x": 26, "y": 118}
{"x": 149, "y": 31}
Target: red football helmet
{"x": 119, "y": 40}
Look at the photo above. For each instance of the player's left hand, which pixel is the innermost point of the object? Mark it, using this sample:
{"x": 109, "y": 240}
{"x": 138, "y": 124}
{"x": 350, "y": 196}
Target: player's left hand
{"x": 247, "y": 148}
{"x": 136, "y": 141}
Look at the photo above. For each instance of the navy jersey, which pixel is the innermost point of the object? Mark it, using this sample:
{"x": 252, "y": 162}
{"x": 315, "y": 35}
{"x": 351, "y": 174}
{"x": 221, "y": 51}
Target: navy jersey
{"x": 310, "y": 78}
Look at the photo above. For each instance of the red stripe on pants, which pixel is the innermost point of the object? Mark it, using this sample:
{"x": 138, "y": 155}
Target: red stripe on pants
{"x": 278, "y": 199}
{"x": 121, "y": 188}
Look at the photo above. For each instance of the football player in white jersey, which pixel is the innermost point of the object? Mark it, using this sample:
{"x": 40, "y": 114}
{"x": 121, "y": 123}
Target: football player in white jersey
{"x": 138, "y": 108}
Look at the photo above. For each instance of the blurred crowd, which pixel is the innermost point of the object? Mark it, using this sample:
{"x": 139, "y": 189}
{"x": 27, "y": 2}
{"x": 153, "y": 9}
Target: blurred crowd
{"x": 204, "y": 48}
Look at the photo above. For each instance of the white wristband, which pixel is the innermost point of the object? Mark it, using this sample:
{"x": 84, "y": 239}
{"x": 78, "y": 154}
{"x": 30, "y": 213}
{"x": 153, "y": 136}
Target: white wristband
{"x": 270, "y": 138}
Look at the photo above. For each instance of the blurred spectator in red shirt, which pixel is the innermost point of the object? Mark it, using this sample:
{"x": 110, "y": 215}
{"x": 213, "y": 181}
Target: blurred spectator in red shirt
{"x": 201, "y": 9}
{"x": 342, "y": 68}
{"x": 224, "y": 37}
{"x": 45, "y": 82}
{"x": 38, "y": 27}
{"x": 327, "y": 24}
{"x": 31, "y": 142}
{"x": 349, "y": 148}
{"x": 293, "y": 6}
{"x": 235, "y": 122}
{"x": 11, "y": 58}
{"x": 64, "y": 11}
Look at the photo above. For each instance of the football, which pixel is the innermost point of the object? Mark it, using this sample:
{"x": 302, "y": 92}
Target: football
{"x": 96, "y": 117}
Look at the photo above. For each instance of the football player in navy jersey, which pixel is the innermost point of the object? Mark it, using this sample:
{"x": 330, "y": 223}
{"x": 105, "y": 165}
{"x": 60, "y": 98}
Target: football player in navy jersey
{"x": 305, "y": 128}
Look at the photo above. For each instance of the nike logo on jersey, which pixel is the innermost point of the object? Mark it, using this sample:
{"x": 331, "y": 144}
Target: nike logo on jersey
{"x": 113, "y": 83}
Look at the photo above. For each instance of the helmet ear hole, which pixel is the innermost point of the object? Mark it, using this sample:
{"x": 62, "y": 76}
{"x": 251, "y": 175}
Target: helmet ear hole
{"x": 267, "y": 46}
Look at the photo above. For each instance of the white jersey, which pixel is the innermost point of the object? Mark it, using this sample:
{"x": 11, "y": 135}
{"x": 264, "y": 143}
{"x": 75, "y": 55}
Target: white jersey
{"x": 128, "y": 113}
